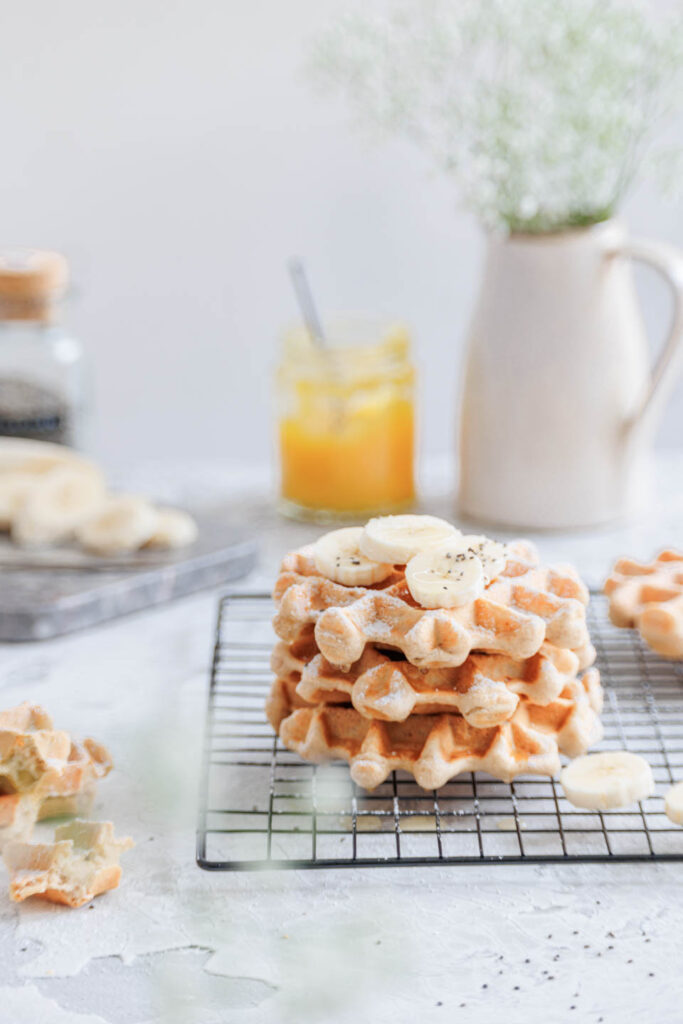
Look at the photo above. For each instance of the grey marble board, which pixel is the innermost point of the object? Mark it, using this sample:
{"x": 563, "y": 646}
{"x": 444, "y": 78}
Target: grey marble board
{"x": 46, "y": 594}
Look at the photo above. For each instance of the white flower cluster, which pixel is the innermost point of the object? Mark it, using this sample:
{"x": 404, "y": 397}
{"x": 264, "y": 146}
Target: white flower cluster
{"x": 543, "y": 111}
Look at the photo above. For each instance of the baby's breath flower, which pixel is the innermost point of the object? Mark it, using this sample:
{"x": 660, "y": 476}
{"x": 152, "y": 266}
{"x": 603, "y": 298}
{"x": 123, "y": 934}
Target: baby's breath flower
{"x": 543, "y": 111}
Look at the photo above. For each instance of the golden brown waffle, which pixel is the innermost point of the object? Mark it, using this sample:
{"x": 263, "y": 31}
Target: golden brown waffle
{"x": 525, "y": 606}
{"x": 283, "y": 699}
{"x": 82, "y": 863}
{"x": 649, "y": 596}
{"x": 435, "y": 748}
{"x": 485, "y": 690}
{"x": 573, "y": 718}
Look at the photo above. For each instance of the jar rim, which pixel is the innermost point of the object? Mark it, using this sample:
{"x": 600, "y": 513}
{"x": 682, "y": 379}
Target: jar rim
{"x": 356, "y": 344}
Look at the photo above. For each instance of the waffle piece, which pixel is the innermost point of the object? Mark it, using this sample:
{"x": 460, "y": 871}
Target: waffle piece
{"x": 525, "y": 606}
{"x": 18, "y": 815}
{"x": 43, "y": 772}
{"x": 78, "y": 804}
{"x": 36, "y": 757}
{"x": 87, "y": 762}
{"x": 573, "y": 718}
{"x": 485, "y": 690}
{"x": 433, "y": 748}
{"x": 649, "y": 596}
{"x": 30, "y": 749}
{"x": 82, "y": 863}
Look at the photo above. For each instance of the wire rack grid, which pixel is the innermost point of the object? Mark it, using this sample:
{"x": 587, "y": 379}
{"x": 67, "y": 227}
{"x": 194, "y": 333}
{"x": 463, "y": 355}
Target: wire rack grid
{"x": 261, "y": 806}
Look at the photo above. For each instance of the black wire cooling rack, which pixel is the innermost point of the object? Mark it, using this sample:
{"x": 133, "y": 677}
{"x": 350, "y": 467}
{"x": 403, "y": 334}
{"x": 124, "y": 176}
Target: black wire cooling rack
{"x": 263, "y": 807}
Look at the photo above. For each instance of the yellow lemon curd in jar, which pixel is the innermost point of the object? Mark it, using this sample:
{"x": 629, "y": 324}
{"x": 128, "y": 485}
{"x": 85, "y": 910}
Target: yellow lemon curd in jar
{"x": 347, "y": 423}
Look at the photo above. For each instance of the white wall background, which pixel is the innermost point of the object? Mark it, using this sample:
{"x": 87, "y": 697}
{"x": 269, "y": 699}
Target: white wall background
{"x": 175, "y": 153}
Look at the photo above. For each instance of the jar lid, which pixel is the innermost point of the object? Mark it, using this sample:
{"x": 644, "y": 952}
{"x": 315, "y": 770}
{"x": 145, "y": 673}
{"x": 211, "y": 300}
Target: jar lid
{"x": 30, "y": 279}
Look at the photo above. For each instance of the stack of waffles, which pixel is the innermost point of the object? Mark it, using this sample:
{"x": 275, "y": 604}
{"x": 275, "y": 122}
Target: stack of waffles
{"x": 405, "y": 645}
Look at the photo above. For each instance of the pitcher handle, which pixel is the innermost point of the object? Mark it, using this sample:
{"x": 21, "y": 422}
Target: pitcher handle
{"x": 669, "y": 262}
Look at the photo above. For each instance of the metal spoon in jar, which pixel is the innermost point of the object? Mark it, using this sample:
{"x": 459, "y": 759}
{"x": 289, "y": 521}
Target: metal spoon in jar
{"x": 306, "y": 301}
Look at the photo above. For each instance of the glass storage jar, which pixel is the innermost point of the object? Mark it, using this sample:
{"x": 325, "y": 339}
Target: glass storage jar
{"x": 41, "y": 365}
{"x": 346, "y": 420}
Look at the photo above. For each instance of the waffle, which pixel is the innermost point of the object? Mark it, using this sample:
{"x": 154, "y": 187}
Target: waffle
{"x": 485, "y": 690}
{"x": 524, "y": 607}
{"x": 82, "y": 863}
{"x": 649, "y": 596}
{"x": 435, "y": 748}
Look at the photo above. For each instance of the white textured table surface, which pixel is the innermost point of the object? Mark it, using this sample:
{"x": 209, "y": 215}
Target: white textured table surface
{"x": 173, "y": 944}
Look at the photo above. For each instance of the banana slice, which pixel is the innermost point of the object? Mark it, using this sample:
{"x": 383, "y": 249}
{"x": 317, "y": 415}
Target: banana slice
{"x": 338, "y": 556}
{"x": 24, "y": 462}
{"x": 396, "y": 539}
{"x": 123, "y": 524}
{"x": 445, "y": 576}
{"x": 15, "y": 485}
{"x": 615, "y": 778}
{"x": 491, "y": 554}
{"x": 56, "y": 504}
{"x": 673, "y": 804}
{"x": 175, "y": 529}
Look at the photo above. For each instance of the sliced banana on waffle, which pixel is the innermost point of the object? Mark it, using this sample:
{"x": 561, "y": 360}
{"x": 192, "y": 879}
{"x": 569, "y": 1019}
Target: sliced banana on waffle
{"x": 491, "y": 553}
{"x": 444, "y": 577}
{"x": 397, "y": 539}
{"x": 455, "y": 572}
{"x": 673, "y": 804}
{"x": 615, "y": 778}
{"x": 337, "y": 555}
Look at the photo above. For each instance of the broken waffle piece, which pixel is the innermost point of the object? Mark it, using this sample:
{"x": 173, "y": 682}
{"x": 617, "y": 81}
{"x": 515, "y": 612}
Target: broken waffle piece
{"x": 18, "y": 814}
{"x": 35, "y": 757}
{"x": 82, "y": 863}
{"x": 30, "y": 748}
{"x": 649, "y": 597}
{"x": 44, "y": 773}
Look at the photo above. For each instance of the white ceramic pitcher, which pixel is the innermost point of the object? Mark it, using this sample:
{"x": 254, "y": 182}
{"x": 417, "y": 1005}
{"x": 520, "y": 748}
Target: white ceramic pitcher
{"x": 559, "y": 398}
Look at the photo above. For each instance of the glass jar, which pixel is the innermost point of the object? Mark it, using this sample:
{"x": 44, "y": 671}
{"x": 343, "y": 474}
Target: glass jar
{"x": 41, "y": 365}
{"x": 346, "y": 420}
